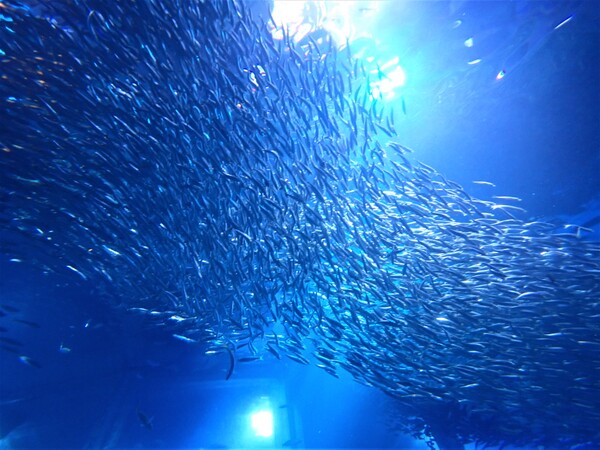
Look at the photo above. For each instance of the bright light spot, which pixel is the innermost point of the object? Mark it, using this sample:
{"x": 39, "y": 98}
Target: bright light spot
{"x": 297, "y": 18}
{"x": 385, "y": 87}
{"x": 262, "y": 423}
{"x": 392, "y": 62}
{"x": 500, "y": 75}
{"x": 475, "y": 61}
{"x": 469, "y": 43}
{"x": 398, "y": 76}
{"x": 338, "y": 21}
{"x": 287, "y": 11}
{"x": 338, "y": 18}
{"x": 345, "y": 22}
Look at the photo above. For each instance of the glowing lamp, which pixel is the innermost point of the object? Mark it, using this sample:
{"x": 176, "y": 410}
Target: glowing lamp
{"x": 262, "y": 423}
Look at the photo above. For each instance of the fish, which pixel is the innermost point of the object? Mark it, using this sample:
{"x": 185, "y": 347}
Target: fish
{"x": 231, "y": 363}
{"x": 183, "y": 338}
{"x": 30, "y": 362}
{"x": 484, "y": 183}
{"x": 145, "y": 421}
{"x": 249, "y": 359}
{"x": 10, "y": 341}
{"x": 63, "y": 349}
{"x": 10, "y": 349}
{"x": 29, "y": 323}
{"x": 9, "y": 308}
{"x": 264, "y": 206}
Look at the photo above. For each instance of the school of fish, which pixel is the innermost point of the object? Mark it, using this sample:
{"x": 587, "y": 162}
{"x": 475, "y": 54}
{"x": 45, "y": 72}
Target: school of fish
{"x": 250, "y": 193}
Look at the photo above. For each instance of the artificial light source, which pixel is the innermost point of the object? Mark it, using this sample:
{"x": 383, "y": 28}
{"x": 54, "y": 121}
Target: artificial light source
{"x": 262, "y": 423}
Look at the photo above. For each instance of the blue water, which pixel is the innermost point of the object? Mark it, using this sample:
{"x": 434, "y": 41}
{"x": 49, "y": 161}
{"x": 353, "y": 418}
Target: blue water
{"x": 89, "y": 397}
{"x": 107, "y": 380}
{"x": 535, "y": 132}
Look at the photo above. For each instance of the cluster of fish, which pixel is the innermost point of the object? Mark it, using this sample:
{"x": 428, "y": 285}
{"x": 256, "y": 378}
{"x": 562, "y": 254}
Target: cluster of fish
{"x": 251, "y": 193}
{"x": 9, "y": 319}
